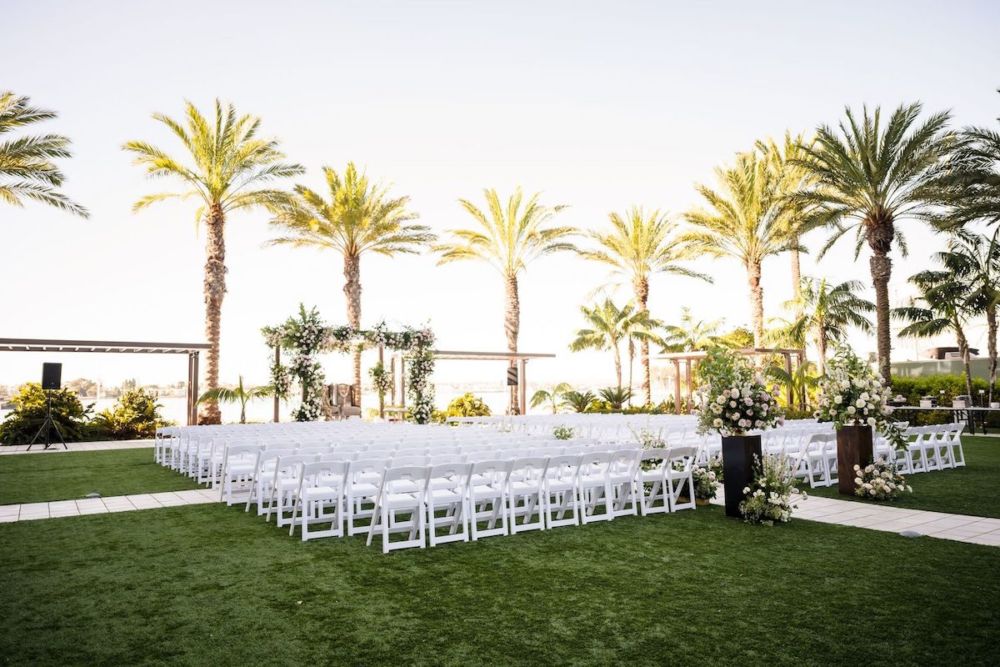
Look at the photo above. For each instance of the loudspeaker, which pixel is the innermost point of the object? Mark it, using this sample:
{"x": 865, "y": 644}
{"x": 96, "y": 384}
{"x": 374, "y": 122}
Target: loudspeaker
{"x": 51, "y": 376}
{"x": 512, "y": 376}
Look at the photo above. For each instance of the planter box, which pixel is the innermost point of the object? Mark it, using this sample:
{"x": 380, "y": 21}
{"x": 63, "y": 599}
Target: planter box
{"x": 854, "y": 447}
{"x": 738, "y": 453}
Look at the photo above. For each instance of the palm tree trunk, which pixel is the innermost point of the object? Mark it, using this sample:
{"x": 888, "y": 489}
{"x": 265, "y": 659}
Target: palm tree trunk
{"x": 641, "y": 287}
{"x": 821, "y": 352}
{"x": 756, "y": 303}
{"x": 352, "y": 290}
{"x": 796, "y": 273}
{"x": 511, "y": 327}
{"x": 631, "y": 363}
{"x": 243, "y": 412}
{"x": 963, "y": 349}
{"x": 991, "y": 344}
{"x": 215, "y": 290}
{"x": 618, "y": 366}
{"x": 879, "y": 234}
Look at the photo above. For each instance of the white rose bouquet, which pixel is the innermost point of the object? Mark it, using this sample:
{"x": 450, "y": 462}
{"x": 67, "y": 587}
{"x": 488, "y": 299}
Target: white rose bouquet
{"x": 852, "y": 395}
{"x": 879, "y": 481}
{"x": 734, "y": 398}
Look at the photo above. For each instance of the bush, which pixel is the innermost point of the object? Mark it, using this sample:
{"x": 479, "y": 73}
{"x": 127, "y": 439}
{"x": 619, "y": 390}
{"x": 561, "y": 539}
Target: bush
{"x": 467, "y": 405}
{"x": 914, "y": 388}
{"x": 135, "y": 415}
{"x": 30, "y": 409}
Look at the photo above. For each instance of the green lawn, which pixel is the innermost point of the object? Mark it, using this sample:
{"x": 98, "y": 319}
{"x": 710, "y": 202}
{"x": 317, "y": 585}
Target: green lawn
{"x": 968, "y": 490}
{"x": 211, "y": 585}
{"x": 32, "y": 478}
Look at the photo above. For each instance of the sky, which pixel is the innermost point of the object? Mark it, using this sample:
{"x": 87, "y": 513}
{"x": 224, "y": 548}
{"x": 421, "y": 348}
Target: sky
{"x": 598, "y": 105}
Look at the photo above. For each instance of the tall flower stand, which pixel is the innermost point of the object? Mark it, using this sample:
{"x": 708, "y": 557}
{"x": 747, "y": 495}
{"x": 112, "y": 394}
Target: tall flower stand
{"x": 854, "y": 447}
{"x": 738, "y": 453}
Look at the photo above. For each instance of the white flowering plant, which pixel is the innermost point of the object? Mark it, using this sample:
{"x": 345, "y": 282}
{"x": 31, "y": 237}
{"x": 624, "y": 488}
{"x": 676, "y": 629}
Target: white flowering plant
{"x": 734, "y": 397}
{"x": 706, "y": 483}
{"x": 879, "y": 481}
{"x": 562, "y": 432}
{"x": 852, "y": 395}
{"x": 769, "y": 498}
{"x": 649, "y": 440}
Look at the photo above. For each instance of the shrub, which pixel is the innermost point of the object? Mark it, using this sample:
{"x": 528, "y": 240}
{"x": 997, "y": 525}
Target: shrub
{"x": 135, "y": 415}
{"x": 914, "y": 388}
{"x": 562, "y": 433}
{"x": 467, "y": 405}
{"x": 30, "y": 409}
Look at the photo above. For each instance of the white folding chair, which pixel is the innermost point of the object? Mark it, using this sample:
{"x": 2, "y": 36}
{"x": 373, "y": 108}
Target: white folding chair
{"x": 524, "y": 494}
{"x": 321, "y": 486}
{"x": 402, "y": 490}
{"x": 595, "y": 487}
{"x": 680, "y": 476}
{"x": 621, "y": 477}
{"x": 364, "y": 477}
{"x": 651, "y": 481}
{"x": 447, "y": 493}
{"x": 560, "y": 491}
{"x": 488, "y": 498}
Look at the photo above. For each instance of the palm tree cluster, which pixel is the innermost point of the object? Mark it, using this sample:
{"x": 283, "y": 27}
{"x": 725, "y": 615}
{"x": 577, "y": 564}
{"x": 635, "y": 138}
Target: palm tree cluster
{"x": 871, "y": 174}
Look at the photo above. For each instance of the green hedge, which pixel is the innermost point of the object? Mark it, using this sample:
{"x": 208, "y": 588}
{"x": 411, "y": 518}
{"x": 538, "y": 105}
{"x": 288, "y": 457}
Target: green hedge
{"x": 915, "y": 388}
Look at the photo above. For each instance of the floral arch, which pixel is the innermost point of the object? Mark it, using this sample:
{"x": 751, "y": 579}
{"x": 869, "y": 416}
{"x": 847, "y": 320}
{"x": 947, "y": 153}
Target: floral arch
{"x": 306, "y": 336}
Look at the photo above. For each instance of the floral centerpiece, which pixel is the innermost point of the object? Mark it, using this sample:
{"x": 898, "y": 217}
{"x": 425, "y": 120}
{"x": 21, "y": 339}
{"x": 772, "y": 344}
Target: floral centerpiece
{"x": 734, "y": 398}
{"x": 769, "y": 498}
{"x": 706, "y": 483}
{"x": 852, "y": 395}
{"x": 562, "y": 432}
{"x": 879, "y": 481}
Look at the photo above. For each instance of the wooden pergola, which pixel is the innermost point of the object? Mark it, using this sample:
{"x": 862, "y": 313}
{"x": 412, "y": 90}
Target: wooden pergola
{"x": 192, "y": 351}
{"x": 691, "y": 359}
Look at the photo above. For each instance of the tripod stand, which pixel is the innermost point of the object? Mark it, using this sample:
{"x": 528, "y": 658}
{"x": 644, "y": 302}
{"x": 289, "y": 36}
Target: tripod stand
{"x": 48, "y": 426}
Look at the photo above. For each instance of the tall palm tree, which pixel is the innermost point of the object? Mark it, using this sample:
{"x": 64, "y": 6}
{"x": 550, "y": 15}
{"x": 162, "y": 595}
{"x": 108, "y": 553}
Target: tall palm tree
{"x": 748, "y": 220}
{"x": 607, "y": 329}
{"x": 238, "y": 394}
{"x": 691, "y": 334}
{"x": 826, "y": 312}
{"x": 508, "y": 237}
{"x": 869, "y": 177}
{"x": 971, "y": 184}
{"x": 783, "y": 159}
{"x": 940, "y": 307}
{"x": 229, "y": 170}
{"x": 640, "y": 331}
{"x": 358, "y": 217}
{"x": 974, "y": 259}
{"x": 27, "y": 170}
{"x": 638, "y": 246}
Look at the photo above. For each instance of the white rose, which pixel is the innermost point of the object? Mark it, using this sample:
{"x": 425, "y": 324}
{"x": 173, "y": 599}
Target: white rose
{"x": 838, "y": 399}
{"x": 851, "y": 409}
{"x": 734, "y": 392}
{"x": 871, "y": 421}
{"x": 860, "y": 403}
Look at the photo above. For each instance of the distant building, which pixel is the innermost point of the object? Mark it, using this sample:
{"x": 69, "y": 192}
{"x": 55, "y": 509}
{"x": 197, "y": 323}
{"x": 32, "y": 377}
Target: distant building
{"x": 947, "y": 352}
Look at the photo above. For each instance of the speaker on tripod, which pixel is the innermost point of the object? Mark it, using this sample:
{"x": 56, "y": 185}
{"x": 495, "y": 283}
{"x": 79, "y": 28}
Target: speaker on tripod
{"x": 51, "y": 381}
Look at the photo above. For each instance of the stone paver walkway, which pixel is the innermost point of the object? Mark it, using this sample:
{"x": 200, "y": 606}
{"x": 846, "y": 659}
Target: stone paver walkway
{"x": 144, "y": 501}
{"x": 77, "y": 447}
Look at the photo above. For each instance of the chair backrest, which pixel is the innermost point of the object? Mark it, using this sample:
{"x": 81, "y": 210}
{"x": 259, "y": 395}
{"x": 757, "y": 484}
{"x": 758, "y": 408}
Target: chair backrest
{"x": 686, "y": 456}
{"x": 564, "y": 468}
{"x": 323, "y": 473}
{"x": 530, "y": 469}
{"x": 411, "y": 474}
{"x": 492, "y": 472}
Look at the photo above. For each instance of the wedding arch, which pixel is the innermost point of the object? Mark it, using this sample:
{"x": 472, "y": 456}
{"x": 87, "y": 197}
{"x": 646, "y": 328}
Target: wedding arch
{"x": 306, "y": 336}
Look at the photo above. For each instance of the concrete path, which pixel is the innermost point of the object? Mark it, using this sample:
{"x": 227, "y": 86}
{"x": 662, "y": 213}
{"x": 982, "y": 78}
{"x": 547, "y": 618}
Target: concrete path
{"x": 78, "y": 447}
{"x": 144, "y": 501}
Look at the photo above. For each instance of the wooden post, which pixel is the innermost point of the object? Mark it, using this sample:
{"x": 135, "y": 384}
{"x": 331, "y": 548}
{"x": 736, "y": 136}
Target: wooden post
{"x": 854, "y": 447}
{"x": 677, "y": 386}
{"x": 194, "y": 388}
{"x": 789, "y": 391}
{"x": 522, "y": 385}
{"x": 381, "y": 397}
{"x": 277, "y": 401}
{"x": 192, "y": 401}
{"x": 803, "y": 397}
{"x": 402, "y": 382}
{"x": 739, "y": 452}
{"x": 687, "y": 381}
{"x": 392, "y": 372}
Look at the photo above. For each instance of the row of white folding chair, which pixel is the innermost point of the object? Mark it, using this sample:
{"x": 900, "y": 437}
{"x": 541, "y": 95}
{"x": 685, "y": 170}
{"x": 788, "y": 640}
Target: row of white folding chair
{"x": 929, "y": 448}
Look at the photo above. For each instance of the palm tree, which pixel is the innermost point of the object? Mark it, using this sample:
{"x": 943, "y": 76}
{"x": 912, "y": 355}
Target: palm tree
{"x": 238, "y": 394}
{"x": 26, "y": 163}
{"x": 783, "y": 159}
{"x": 608, "y": 328}
{"x": 971, "y": 184}
{"x": 869, "y": 177}
{"x": 578, "y": 401}
{"x": 975, "y": 261}
{"x": 639, "y": 245}
{"x": 748, "y": 220}
{"x": 229, "y": 171}
{"x": 826, "y": 313}
{"x": 941, "y": 306}
{"x": 359, "y": 217}
{"x": 508, "y": 237}
{"x": 640, "y": 330}
{"x": 691, "y": 334}
{"x": 553, "y": 396}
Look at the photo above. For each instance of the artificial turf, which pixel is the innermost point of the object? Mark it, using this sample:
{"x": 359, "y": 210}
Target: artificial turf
{"x": 213, "y": 585}
{"x": 33, "y": 478}
{"x": 968, "y": 490}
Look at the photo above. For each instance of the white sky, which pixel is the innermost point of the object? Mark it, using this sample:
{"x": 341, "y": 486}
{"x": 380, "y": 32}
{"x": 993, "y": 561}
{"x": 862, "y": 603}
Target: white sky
{"x": 600, "y": 105}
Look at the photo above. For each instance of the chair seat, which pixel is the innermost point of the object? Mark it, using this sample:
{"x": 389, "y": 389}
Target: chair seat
{"x": 524, "y": 487}
{"x": 446, "y": 495}
{"x": 394, "y": 501}
{"x": 559, "y": 486}
{"x": 651, "y": 475}
{"x": 319, "y": 492}
{"x": 484, "y": 492}
{"x": 364, "y": 489}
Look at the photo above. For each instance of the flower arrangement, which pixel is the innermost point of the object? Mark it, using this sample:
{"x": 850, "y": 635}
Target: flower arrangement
{"x": 769, "y": 498}
{"x": 852, "y": 395}
{"x": 706, "y": 483}
{"x": 562, "y": 433}
{"x": 879, "y": 481}
{"x": 734, "y": 398}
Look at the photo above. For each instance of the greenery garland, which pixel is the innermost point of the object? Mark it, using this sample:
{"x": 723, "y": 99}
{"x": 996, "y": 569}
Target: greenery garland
{"x": 307, "y": 336}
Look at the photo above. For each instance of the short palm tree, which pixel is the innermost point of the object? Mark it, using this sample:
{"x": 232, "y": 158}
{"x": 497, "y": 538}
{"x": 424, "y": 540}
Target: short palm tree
{"x": 551, "y": 396}
{"x": 230, "y": 169}
{"x": 508, "y": 237}
{"x": 941, "y": 307}
{"x": 826, "y": 312}
{"x": 690, "y": 334}
{"x": 747, "y": 219}
{"x": 974, "y": 259}
{"x": 608, "y": 325}
{"x": 578, "y": 401}
{"x": 27, "y": 170}
{"x": 868, "y": 177}
{"x": 238, "y": 394}
{"x": 358, "y": 217}
{"x": 639, "y": 245}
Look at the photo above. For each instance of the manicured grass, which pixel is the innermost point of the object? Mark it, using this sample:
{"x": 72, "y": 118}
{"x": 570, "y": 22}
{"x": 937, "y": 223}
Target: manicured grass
{"x": 32, "y": 478}
{"x": 969, "y": 490}
{"x": 211, "y": 585}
